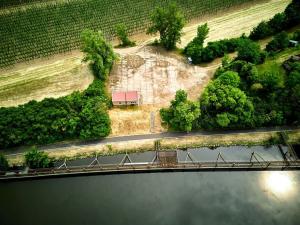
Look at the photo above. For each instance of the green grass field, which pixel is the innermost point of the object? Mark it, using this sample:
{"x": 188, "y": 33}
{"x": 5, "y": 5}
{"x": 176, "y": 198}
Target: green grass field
{"x": 43, "y": 28}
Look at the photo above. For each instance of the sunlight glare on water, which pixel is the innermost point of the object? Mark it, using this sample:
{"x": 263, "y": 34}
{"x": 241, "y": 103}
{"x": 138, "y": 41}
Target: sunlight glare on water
{"x": 280, "y": 183}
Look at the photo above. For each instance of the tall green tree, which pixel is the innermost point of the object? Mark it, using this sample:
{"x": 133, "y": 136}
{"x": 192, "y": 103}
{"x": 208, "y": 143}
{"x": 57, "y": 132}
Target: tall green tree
{"x": 198, "y": 41}
{"x": 168, "y": 22}
{"x": 122, "y": 34}
{"x": 182, "y": 113}
{"x": 98, "y": 51}
{"x": 224, "y": 105}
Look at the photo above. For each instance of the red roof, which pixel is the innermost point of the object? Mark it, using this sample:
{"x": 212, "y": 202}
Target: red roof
{"x": 131, "y": 96}
{"x": 118, "y": 97}
{"x": 122, "y": 96}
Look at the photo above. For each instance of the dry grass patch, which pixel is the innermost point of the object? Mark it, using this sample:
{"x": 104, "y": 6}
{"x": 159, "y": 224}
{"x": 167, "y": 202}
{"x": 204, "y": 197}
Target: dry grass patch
{"x": 36, "y": 82}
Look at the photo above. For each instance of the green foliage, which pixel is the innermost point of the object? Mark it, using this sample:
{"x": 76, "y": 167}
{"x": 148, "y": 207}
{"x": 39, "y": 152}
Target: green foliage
{"x": 211, "y": 51}
{"x": 292, "y": 13}
{"x": 98, "y": 51}
{"x": 79, "y": 115}
{"x": 198, "y": 41}
{"x": 168, "y": 22}
{"x": 182, "y": 113}
{"x": 250, "y": 51}
{"x": 3, "y": 163}
{"x": 230, "y": 78}
{"x": 122, "y": 34}
{"x": 225, "y": 106}
{"x": 281, "y": 21}
{"x": 261, "y": 31}
{"x": 296, "y": 35}
{"x": 35, "y": 159}
{"x": 279, "y": 42}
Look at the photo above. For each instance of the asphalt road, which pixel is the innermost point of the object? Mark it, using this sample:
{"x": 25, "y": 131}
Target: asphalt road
{"x": 57, "y": 146}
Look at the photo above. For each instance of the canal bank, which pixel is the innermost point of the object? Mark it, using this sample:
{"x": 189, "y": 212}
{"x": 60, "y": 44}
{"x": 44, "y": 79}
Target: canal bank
{"x": 232, "y": 158}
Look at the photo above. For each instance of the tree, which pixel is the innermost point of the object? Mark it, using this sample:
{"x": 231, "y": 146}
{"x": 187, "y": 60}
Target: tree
{"x": 98, "y": 51}
{"x": 271, "y": 80}
{"x": 95, "y": 119}
{"x": 169, "y": 23}
{"x": 122, "y": 34}
{"x": 38, "y": 159}
{"x": 249, "y": 51}
{"x": 202, "y": 32}
{"x": 230, "y": 78}
{"x": 182, "y": 113}
{"x": 225, "y": 106}
{"x": 279, "y": 42}
{"x": 292, "y": 13}
{"x": 261, "y": 31}
{"x": 296, "y": 35}
{"x": 3, "y": 163}
{"x": 277, "y": 23}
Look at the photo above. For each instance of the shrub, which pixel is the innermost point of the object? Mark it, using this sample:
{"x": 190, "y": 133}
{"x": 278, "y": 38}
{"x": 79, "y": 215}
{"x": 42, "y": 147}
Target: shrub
{"x": 279, "y": 42}
{"x": 250, "y": 51}
{"x": 35, "y": 159}
{"x": 182, "y": 113}
{"x": 3, "y": 163}
{"x": 122, "y": 34}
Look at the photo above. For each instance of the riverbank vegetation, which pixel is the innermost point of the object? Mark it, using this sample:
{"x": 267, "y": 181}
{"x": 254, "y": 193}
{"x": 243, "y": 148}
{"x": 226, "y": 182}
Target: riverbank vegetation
{"x": 36, "y": 159}
{"x": 80, "y": 115}
{"x": 3, "y": 162}
{"x": 183, "y": 143}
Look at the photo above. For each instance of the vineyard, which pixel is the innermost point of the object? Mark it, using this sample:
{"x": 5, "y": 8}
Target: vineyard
{"x": 50, "y": 27}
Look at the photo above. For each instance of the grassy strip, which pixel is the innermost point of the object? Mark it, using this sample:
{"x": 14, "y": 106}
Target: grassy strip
{"x": 211, "y": 141}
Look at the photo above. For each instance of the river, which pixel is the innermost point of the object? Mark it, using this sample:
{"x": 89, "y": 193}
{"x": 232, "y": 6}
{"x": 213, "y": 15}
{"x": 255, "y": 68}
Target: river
{"x": 175, "y": 198}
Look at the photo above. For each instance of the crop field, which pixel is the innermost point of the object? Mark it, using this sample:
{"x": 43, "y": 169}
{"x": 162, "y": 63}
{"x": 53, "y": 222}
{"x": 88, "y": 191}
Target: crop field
{"x": 44, "y": 28}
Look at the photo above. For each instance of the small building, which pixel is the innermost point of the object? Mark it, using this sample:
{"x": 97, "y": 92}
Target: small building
{"x": 125, "y": 98}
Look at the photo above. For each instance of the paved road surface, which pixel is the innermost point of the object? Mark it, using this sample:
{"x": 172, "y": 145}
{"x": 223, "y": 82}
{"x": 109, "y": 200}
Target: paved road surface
{"x": 57, "y": 146}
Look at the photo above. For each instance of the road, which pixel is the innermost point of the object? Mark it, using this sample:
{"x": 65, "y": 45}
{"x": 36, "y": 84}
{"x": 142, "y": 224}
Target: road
{"x": 108, "y": 140}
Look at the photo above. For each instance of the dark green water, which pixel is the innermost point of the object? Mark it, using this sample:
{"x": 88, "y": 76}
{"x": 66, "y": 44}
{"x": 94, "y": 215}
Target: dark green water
{"x": 182, "y": 198}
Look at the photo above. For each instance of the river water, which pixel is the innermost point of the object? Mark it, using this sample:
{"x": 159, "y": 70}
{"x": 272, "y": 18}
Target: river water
{"x": 175, "y": 198}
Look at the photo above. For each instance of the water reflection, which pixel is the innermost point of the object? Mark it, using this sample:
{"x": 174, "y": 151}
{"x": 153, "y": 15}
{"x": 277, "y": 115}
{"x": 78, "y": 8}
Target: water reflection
{"x": 279, "y": 183}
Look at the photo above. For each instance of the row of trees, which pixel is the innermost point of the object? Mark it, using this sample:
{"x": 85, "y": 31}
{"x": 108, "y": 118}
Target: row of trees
{"x": 281, "y": 21}
{"x": 79, "y": 115}
{"x": 246, "y": 48}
